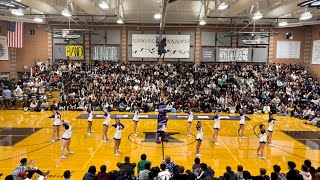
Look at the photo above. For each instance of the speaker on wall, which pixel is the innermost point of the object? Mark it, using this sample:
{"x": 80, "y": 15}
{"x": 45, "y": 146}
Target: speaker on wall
{"x": 32, "y": 32}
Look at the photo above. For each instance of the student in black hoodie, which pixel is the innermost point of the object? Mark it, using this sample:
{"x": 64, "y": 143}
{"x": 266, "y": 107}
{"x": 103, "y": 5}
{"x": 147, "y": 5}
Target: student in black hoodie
{"x": 230, "y": 174}
{"x": 293, "y": 174}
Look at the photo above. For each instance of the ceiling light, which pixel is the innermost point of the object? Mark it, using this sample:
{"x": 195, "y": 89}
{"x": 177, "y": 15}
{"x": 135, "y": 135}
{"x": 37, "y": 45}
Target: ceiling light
{"x": 104, "y": 5}
{"x": 66, "y": 13}
{"x": 315, "y": 3}
{"x": 257, "y": 15}
{"x": 17, "y": 12}
{"x": 305, "y": 3}
{"x": 306, "y": 15}
{"x": 157, "y": 16}
{"x": 202, "y": 22}
{"x": 119, "y": 21}
{"x": 223, "y": 6}
{"x": 39, "y": 20}
{"x": 284, "y": 23}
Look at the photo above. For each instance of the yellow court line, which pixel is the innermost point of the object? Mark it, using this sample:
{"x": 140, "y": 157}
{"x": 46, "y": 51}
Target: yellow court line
{"x": 224, "y": 144}
{"x": 95, "y": 150}
{"x": 92, "y": 155}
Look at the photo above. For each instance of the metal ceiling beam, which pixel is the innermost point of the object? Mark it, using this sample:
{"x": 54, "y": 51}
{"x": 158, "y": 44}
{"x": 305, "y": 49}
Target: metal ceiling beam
{"x": 88, "y": 6}
{"x": 41, "y": 5}
{"x": 282, "y": 9}
{"x": 238, "y": 7}
{"x": 163, "y": 14}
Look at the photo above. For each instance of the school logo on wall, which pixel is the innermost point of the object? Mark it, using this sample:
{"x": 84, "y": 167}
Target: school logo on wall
{"x": 153, "y": 45}
{"x": 74, "y": 51}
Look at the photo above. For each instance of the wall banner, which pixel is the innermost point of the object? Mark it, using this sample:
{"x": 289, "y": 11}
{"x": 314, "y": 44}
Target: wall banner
{"x": 233, "y": 54}
{"x": 145, "y": 45}
{"x": 74, "y": 51}
{"x": 4, "y": 55}
{"x": 103, "y": 53}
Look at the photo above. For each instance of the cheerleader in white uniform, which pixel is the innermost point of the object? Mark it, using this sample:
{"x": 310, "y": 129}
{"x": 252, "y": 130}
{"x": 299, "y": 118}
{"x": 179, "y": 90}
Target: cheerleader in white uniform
{"x": 216, "y": 127}
{"x": 262, "y": 141}
{"x": 199, "y": 138}
{"x": 270, "y": 128}
{"x": 66, "y": 138}
{"x": 90, "y": 116}
{"x": 56, "y": 125}
{"x": 106, "y": 124}
{"x": 241, "y": 122}
{"x": 135, "y": 119}
{"x": 117, "y": 136}
{"x": 190, "y": 118}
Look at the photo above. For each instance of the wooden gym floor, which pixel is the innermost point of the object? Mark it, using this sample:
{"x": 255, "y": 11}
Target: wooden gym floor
{"x": 28, "y": 134}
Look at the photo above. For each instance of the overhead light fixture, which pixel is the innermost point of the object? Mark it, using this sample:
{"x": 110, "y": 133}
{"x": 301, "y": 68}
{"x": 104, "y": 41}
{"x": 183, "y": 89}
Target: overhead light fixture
{"x": 104, "y": 5}
{"x": 306, "y": 15}
{"x": 39, "y": 20}
{"x": 66, "y": 13}
{"x": 157, "y": 16}
{"x": 202, "y": 23}
{"x": 223, "y": 6}
{"x": 257, "y": 15}
{"x": 306, "y": 3}
{"x": 120, "y": 21}
{"x": 17, "y": 12}
{"x": 284, "y": 23}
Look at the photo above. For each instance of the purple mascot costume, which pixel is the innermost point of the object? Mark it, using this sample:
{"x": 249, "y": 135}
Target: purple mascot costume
{"x": 162, "y": 123}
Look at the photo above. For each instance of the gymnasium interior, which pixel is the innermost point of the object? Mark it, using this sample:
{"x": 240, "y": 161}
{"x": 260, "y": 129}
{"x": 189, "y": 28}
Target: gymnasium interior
{"x": 208, "y": 60}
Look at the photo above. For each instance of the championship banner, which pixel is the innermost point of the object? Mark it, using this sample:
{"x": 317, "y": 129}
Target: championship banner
{"x": 175, "y": 46}
{"x": 4, "y": 55}
{"x": 74, "y": 51}
{"x": 103, "y": 53}
{"x": 233, "y": 54}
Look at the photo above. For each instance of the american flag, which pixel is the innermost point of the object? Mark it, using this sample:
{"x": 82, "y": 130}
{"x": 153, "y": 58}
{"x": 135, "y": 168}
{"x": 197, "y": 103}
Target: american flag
{"x": 15, "y": 34}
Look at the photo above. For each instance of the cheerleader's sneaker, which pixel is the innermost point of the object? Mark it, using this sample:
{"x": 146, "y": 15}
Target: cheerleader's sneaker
{"x": 53, "y": 141}
{"x": 263, "y": 158}
{"x": 257, "y": 153}
{"x": 216, "y": 144}
{"x": 104, "y": 141}
{"x": 70, "y": 152}
{"x": 243, "y": 137}
{"x": 63, "y": 157}
{"x": 116, "y": 154}
{"x": 198, "y": 155}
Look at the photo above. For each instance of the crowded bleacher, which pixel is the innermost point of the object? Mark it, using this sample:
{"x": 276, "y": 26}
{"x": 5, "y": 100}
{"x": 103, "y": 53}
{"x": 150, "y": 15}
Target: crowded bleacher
{"x": 282, "y": 89}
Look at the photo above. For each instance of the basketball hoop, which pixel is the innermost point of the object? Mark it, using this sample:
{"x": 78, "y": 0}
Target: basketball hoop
{"x": 65, "y": 33}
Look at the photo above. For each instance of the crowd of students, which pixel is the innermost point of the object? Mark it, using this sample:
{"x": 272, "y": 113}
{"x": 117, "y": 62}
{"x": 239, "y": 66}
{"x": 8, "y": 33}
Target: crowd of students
{"x": 258, "y": 88}
{"x": 169, "y": 170}
{"x": 286, "y": 90}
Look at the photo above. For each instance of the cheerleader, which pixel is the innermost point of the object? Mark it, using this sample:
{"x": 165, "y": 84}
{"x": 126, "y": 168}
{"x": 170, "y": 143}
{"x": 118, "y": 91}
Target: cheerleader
{"x": 56, "y": 124}
{"x": 262, "y": 141}
{"x": 90, "y": 116}
{"x": 66, "y": 138}
{"x": 270, "y": 128}
{"x": 241, "y": 122}
{"x": 106, "y": 126}
{"x": 199, "y": 138}
{"x": 135, "y": 119}
{"x": 117, "y": 136}
{"x": 216, "y": 127}
{"x": 190, "y": 118}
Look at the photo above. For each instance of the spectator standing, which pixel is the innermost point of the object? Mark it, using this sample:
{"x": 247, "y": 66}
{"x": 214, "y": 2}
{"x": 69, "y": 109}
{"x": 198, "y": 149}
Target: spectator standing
{"x": 144, "y": 174}
{"x": 142, "y": 162}
{"x": 7, "y": 98}
{"x": 239, "y": 172}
